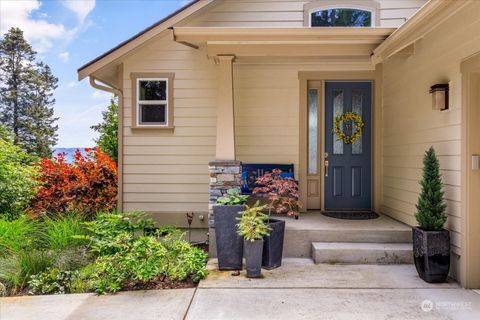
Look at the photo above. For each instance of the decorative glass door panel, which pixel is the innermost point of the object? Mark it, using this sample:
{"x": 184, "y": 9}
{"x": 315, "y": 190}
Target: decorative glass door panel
{"x": 314, "y": 134}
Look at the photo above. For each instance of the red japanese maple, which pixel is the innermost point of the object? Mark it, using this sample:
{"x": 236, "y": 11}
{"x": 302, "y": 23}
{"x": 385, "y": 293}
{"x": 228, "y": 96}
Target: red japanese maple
{"x": 87, "y": 185}
{"x": 281, "y": 192}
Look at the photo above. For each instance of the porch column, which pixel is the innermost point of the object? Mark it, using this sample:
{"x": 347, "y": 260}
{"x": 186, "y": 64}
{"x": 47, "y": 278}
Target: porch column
{"x": 225, "y": 147}
{"x": 225, "y": 171}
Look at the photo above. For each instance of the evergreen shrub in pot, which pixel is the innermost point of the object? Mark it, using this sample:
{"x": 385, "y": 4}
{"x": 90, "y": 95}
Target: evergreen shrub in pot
{"x": 229, "y": 243}
{"x": 282, "y": 196}
{"x": 431, "y": 242}
{"x": 253, "y": 227}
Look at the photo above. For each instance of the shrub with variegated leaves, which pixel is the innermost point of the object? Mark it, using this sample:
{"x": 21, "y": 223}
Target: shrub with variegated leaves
{"x": 281, "y": 192}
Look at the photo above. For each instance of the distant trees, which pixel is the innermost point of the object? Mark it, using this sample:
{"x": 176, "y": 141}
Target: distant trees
{"x": 26, "y": 95}
{"x": 108, "y": 129}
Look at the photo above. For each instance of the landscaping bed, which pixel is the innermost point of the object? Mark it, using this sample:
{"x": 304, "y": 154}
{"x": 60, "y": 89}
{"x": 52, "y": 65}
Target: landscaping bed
{"x": 108, "y": 254}
{"x": 60, "y": 233}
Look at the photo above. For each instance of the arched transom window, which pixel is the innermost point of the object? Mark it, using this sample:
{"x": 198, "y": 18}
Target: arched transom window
{"x": 328, "y": 13}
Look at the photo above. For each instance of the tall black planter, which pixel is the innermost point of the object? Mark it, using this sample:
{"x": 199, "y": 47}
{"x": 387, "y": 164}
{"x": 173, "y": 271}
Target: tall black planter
{"x": 273, "y": 244}
{"x": 253, "y": 257}
{"x": 431, "y": 253}
{"x": 229, "y": 243}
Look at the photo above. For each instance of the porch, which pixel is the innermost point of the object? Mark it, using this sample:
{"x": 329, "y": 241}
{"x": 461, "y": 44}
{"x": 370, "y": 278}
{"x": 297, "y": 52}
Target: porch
{"x": 330, "y": 240}
{"x": 270, "y": 82}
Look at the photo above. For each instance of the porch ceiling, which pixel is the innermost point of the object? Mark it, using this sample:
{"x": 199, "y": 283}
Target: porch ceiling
{"x": 284, "y": 42}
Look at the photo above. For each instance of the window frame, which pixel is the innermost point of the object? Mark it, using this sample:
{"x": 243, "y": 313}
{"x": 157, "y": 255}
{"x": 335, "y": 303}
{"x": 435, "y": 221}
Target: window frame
{"x": 136, "y": 102}
{"x": 366, "y": 5}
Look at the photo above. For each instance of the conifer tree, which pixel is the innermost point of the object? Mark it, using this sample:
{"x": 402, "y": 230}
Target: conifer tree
{"x": 431, "y": 206}
{"x": 26, "y": 89}
{"x": 39, "y": 131}
{"x": 108, "y": 129}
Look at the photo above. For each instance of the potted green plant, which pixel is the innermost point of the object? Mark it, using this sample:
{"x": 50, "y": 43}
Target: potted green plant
{"x": 431, "y": 242}
{"x": 253, "y": 227}
{"x": 229, "y": 244}
{"x": 282, "y": 196}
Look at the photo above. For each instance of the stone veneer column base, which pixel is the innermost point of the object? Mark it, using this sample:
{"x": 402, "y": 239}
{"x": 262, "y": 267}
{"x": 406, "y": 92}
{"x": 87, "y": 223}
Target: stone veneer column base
{"x": 224, "y": 175}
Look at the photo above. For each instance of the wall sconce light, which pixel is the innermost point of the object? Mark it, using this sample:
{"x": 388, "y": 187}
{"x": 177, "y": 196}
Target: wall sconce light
{"x": 439, "y": 96}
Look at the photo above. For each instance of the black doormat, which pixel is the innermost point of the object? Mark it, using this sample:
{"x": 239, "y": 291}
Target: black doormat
{"x": 351, "y": 215}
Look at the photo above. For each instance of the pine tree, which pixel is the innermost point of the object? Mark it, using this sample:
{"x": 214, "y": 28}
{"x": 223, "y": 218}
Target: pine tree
{"x": 39, "y": 131}
{"x": 26, "y": 90}
{"x": 108, "y": 129}
{"x": 16, "y": 59}
{"x": 431, "y": 206}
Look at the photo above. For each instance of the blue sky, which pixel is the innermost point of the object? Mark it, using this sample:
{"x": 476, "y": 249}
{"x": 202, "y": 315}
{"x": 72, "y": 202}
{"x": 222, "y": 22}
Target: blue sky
{"x": 69, "y": 33}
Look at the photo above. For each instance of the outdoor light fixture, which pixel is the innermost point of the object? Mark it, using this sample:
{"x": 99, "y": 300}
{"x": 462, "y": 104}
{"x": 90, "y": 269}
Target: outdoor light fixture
{"x": 439, "y": 96}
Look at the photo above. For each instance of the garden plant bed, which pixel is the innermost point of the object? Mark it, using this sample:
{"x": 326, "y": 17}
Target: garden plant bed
{"x": 201, "y": 245}
{"x": 159, "y": 283}
{"x": 110, "y": 253}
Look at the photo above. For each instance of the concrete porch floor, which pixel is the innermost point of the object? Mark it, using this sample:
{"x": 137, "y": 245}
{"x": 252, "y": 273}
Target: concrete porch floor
{"x": 314, "y": 227}
{"x": 302, "y": 290}
{"x": 315, "y": 220}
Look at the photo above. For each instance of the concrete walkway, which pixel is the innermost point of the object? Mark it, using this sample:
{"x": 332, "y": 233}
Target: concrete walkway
{"x": 297, "y": 290}
{"x": 144, "y": 305}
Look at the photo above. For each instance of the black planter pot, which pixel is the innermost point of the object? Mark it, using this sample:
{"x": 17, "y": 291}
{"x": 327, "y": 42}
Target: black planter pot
{"x": 273, "y": 244}
{"x": 253, "y": 257}
{"x": 229, "y": 243}
{"x": 431, "y": 253}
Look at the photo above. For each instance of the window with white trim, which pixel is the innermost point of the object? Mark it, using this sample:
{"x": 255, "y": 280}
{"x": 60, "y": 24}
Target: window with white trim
{"x": 152, "y": 102}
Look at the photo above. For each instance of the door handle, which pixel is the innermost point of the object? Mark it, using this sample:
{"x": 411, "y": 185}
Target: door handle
{"x": 326, "y": 168}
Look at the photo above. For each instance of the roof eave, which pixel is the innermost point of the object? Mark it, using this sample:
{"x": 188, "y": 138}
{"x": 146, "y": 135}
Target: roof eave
{"x": 428, "y": 17}
{"x": 141, "y": 37}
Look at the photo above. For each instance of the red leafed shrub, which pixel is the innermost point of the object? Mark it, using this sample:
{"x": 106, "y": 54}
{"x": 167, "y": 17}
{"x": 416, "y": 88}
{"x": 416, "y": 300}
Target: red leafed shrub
{"x": 87, "y": 185}
{"x": 281, "y": 192}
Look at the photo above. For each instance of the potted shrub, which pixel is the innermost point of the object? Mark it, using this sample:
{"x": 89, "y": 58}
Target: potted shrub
{"x": 282, "y": 196}
{"x": 431, "y": 242}
{"x": 253, "y": 227}
{"x": 229, "y": 243}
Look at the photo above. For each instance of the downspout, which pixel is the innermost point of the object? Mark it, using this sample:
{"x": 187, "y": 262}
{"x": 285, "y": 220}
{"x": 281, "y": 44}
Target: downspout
{"x": 117, "y": 92}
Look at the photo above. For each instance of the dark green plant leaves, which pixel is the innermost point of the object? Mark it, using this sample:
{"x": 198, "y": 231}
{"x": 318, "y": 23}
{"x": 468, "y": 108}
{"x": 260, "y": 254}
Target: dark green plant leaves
{"x": 431, "y": 205}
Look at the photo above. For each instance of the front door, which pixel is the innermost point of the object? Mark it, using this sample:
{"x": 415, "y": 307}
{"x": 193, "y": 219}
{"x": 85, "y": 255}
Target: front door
{"x": 348, "y": 165}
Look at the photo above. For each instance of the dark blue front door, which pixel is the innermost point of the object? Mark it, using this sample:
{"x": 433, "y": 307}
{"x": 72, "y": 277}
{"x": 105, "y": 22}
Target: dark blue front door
{"x": 348, "y": 178}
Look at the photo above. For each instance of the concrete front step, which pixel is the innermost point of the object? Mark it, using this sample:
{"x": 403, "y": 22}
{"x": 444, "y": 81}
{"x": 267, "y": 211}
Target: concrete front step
{"x": 298, "y": 243}
{"x": 362, "y": 253}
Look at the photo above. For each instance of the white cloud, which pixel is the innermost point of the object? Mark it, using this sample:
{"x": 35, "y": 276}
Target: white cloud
{"x": 64, "y": 56}
{"x": 81, "y": 8}
{"x": 38, "y": 31}
{"x": 101, "y": 95}
{"x": 72, "y": 84}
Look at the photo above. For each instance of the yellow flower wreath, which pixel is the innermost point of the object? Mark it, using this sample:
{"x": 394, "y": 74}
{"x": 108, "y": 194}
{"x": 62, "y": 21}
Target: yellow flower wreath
{"x": 349, "y": 116}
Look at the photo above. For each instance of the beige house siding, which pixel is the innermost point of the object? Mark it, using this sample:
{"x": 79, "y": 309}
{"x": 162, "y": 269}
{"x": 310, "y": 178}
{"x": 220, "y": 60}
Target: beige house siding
{"x": 411, "y": 126}
{"x": 267, "y": 107}
{"x": 266, "y": 114}
{"x": 289, "y": 13}
{"x": 165, "y": 171}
